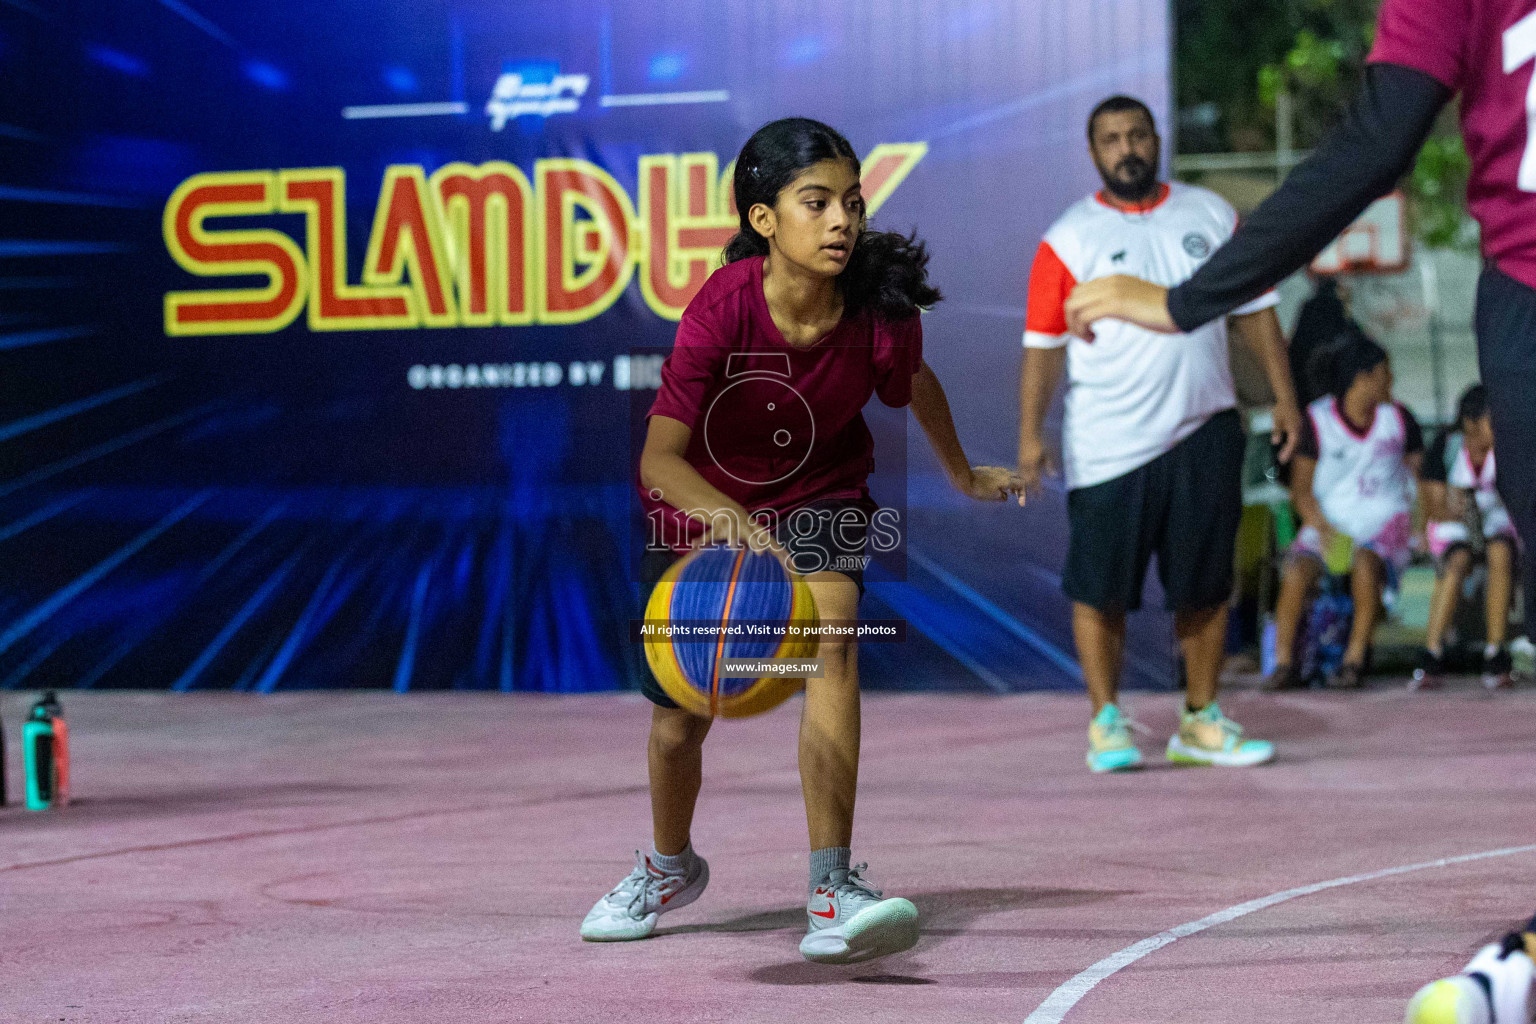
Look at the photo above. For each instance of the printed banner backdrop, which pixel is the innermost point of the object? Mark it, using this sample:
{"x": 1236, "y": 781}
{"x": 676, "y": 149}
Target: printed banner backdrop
{"x": 327, "y": 328}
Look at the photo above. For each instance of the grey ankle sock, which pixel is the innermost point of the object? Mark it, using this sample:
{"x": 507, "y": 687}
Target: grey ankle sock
{"x": 677, "y": 863}
{"x": 827, "y": 860}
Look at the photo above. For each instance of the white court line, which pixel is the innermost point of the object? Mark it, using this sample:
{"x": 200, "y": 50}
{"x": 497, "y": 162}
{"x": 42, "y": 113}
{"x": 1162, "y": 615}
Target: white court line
{"x": 656, "y": 99}
{"x": 1059, "y": 1002}
{"x": 404, "y": 110}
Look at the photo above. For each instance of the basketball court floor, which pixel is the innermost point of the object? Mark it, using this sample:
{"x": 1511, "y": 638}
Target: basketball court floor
{"x": 347, "y": 857}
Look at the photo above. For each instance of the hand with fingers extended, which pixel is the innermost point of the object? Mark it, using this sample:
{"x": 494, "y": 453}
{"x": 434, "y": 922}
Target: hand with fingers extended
{"x": 1118, "y": 297}
{"x": 992, "y": 483}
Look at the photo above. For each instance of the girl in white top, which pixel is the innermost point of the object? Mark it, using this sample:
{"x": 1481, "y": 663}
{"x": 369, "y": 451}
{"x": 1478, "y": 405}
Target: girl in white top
{"x": 1466, "y": 519}
{"x": 1353, "y": 487}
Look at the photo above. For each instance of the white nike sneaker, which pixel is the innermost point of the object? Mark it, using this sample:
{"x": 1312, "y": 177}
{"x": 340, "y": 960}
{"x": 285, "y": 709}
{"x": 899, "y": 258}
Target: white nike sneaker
{"x": 631, "y": 909}
{"x": 850, "y": 923}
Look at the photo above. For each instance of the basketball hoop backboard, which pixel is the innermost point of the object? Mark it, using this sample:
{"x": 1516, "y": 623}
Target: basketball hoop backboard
{"x": 1376, "y": 243}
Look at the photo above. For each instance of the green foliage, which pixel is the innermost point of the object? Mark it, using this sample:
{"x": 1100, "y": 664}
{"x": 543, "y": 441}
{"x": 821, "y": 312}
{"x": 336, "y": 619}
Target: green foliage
{"x": 1321, "y": 66}
{"x": 1240, "y": 55}
{"x": 1437, "y": 188}
{"x": 1222, "y": 44}
{"x": 1312, "y": 65}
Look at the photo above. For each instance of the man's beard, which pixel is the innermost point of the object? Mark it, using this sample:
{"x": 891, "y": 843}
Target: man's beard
{"x": 1142, "y": 180}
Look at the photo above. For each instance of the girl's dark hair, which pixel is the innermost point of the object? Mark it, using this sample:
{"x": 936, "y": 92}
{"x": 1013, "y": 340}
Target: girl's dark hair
{"x": 1334, "y": 367}
{"x": 1473, "y": 405}
{"x": 887, "y": 272}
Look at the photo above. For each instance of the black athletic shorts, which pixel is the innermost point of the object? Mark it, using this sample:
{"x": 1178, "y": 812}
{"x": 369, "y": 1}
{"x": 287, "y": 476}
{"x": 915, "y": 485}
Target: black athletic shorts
{"x": 824, "y": 536}
{"x": 1184, "y": 505}
{"x": 1506, "y": 355}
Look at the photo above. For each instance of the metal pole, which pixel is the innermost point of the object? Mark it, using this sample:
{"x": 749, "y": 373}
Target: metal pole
{"x": 1285, "y": 138}
{"x": 1431, "y": 284}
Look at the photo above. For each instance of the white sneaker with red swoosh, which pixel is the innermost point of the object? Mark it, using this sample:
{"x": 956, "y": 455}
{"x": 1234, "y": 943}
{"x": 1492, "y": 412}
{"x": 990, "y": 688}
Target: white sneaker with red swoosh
{"x": 630, "y": 910}
{"x": 848, "y": 922}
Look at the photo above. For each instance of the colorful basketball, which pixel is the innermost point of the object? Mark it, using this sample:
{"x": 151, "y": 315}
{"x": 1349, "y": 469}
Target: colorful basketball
{"x": 753, "y": 598}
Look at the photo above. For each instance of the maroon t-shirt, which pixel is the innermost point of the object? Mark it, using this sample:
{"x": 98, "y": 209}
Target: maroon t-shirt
{"x": 1486, "y": 49}
{"x": 774, "y": 426}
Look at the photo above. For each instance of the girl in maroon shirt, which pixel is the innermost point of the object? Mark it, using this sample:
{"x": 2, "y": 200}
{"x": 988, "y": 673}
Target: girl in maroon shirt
{"x": 757, "y": 437}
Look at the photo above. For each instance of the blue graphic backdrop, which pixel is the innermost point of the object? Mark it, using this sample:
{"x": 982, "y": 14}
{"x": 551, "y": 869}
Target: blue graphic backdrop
{"x": 439, "y": 507}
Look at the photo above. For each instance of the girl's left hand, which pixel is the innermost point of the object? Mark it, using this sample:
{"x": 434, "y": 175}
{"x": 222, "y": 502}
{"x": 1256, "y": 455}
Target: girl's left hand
{"x": 992, "y": 483}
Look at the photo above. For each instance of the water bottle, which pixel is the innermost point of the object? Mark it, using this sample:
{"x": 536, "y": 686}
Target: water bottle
{"x": 45, "y": 753}
{"x": 1267, "y": 647}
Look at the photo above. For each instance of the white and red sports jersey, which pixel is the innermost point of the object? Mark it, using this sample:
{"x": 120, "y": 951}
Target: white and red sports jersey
{"x": 1362, "y": 481}
{"x": 1449, "y": 462}
{"x": 1482, "y": 481}
{"x": 1132, "y": 394}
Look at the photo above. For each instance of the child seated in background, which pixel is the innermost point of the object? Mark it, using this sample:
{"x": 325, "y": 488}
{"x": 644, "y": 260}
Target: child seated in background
{"x": 1352, "y": 482}
{"x": 1466, "y": 520}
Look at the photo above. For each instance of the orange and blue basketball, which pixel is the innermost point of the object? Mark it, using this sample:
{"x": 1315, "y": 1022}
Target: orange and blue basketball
{"x": 755, "y": 598}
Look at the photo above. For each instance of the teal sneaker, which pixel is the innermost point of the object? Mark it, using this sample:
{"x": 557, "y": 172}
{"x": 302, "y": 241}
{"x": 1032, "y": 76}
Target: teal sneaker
{"x": 1110, "y": 747}
{"x": 1209, "y": 737}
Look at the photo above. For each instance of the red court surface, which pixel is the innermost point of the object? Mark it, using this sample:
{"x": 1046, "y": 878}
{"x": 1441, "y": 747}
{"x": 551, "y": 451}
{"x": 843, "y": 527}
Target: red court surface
{"x": 344, "y": 857}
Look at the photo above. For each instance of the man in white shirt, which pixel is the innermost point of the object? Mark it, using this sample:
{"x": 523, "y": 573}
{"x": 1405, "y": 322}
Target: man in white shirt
{"x": 1152, "y": 441}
